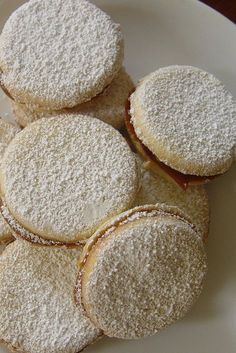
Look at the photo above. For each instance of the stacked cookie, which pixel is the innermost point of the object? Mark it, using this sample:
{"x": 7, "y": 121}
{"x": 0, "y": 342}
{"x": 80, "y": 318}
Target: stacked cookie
{"x": 182, "y": 121}
{"x": 106, "y": 242}
{"x": 72, "y": 56}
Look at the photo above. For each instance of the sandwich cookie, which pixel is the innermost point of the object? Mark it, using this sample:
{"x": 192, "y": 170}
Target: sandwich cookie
{"x": 37, "y": 308}
{"x": 182, "y": 121}
{"x": 7, "y": 133}
{"x": 62, "y": 177}
{"x": 141, "y": 272}
{"x": 70, "y": 56}
{"x": 109, "y": 106}
{"x": 193, "y": 201}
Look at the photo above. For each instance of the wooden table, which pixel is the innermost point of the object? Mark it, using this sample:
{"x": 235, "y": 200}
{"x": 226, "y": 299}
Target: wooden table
{"x": 226, "y": 7}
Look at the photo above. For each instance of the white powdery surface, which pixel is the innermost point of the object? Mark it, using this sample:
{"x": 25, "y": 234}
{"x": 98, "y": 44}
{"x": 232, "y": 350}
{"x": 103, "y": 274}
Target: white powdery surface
{"x": 59, "y": 53}
{"x": 63, "y": 176}
{"x": 7, "y": 133}
{"x": 148, "y": 274}
{"x": 189, "y": 119}
{"x": 109, "y": 106}
{"x": 193, "y": 201}
{"x": 37, "y": 310}
{"x": 26, "y": 114}
{"x": 22, "y": 233}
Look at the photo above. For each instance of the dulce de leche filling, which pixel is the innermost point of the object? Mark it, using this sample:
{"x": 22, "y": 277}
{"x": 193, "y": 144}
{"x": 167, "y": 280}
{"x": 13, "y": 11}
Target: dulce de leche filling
{"x": 183, "y": 180}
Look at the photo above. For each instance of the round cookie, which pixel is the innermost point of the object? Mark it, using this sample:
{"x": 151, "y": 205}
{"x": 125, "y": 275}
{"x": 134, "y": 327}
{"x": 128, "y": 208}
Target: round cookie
{"x": 109, "y": 106}
{"x": 72, "y": 54}
{"x": 193, "y": 201}
{"x": 7, "y": 133}
{"x": 185, "y": 118}
{"x": 37, "y": 309}
{"x": 141, "y": 272}
{"x": 62, "y": 177}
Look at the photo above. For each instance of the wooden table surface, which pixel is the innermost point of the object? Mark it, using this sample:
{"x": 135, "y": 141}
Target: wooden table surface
{"x": 226, "y": 7}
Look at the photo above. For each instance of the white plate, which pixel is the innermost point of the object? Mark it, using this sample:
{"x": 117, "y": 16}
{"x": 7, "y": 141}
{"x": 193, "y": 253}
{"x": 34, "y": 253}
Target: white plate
{"x": 160, "y": 33}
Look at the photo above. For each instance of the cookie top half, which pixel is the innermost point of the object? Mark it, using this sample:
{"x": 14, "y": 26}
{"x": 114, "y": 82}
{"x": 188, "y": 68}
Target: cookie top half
{"x": 141, "y": 272}
{"x": 187, "y": 119}
{"x": 59, "y": 53}
{"x": 61, "y": 177}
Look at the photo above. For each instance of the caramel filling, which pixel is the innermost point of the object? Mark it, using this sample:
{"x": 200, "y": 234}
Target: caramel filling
{"x": 183, "y": 180}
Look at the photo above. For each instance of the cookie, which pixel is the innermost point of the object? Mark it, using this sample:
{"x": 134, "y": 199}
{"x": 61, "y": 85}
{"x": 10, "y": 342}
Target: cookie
{"x": 141, "y": 272}
{"x": 182, "y": 120}
{"x": 7, "y": 133}
{"x": 25, "y": 114}
{"x": 109, "y": 106}
{"x": 69, "y": 57}
{"x": 62, "y": 177}
{"x": 37, "y": 308}
{"x": 193, "y": 201}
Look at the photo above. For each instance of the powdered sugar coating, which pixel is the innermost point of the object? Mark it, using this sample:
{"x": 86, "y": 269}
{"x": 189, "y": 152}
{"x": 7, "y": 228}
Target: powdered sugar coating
{"x": 193, "y": 201}
{"x": 26, "y": 114}
{"x": 7, "y": 133}
{"x": 146, "y": 274}
{"x": 109, "y": 106}
{"x": 62, "y": 177}
{"x": 187, "y": 118}
{"x": 37, "y": 310}
{"x": 59, "y": 53}
{"x": 20, "y": 232}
